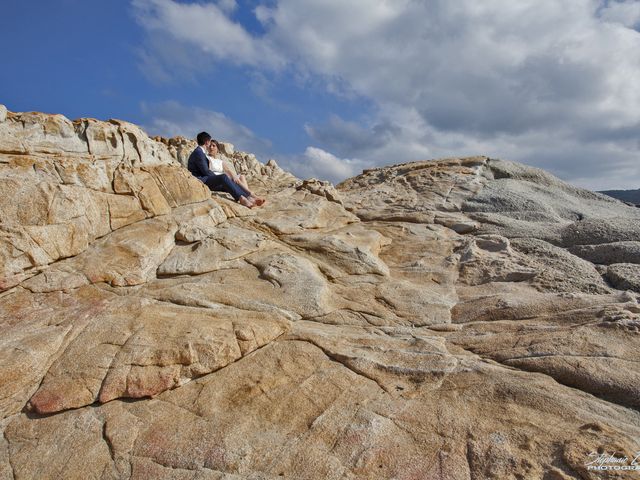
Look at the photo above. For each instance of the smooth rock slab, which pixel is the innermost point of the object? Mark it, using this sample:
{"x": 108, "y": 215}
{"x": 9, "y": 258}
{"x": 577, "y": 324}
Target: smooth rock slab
{"x": 140, "y": 348}
{"x": 224, "y": 245}
{"x": 295, "y": 211}
{"x": 290, "y": 410}
{"x": 599, "y": 358}
{"x": 35, "y": 329}
{"x": 353, "y": 249}
{"x": 129, "y": 256}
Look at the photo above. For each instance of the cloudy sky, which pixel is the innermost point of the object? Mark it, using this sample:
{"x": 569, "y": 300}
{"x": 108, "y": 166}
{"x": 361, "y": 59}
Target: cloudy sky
{"x": 329, "y": 87}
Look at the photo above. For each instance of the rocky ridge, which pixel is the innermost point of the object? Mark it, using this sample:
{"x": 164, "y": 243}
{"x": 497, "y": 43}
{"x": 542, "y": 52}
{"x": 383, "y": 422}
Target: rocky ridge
{"x": 455, "y": 319}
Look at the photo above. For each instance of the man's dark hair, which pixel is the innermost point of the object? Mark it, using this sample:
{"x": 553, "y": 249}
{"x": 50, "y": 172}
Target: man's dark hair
{"x": 203, "y": 137}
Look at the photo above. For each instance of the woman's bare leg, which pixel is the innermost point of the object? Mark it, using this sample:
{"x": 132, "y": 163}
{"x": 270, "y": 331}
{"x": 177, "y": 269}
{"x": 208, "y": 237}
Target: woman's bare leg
{"x": 242, "y": 181}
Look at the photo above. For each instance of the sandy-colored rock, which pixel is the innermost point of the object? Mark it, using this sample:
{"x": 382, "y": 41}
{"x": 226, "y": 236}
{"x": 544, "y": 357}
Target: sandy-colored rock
{"x": 413, "y": 192}
{"x": 225, "y": 244}
{"x": 141, "y": 184}
{"x": 456, "y": 221}
{"x": 295, "y": 211}
{"x": 36, "y": 329}
{"x": 128, "y": 256}
{"x": 202, "y": 225}
{"x": 490, "y": 258}
{"x": 322, "y": 188}
{"x": 597, "y": 358}
{"x": 304, "y": 412}
{"x": 352, "y": 249}
{"x": 68, "y": 183}
{"x": 467, "y": 318}
{"x": 141, "y": 348}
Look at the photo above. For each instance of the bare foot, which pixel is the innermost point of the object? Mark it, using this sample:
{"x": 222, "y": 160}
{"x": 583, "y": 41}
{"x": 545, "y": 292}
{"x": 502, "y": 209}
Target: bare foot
{"x": 258, "y": 201}
{"x": 247, "y": 203}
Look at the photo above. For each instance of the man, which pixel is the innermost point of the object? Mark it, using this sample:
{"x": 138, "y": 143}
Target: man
{"x": 198, "y": 165}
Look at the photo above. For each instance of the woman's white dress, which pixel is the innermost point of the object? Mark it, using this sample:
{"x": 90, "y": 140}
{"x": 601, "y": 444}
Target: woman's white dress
{"x": 215, "y": 165}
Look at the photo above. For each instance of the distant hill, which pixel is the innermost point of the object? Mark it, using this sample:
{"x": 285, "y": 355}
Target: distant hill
{"x": 631, "y": 196}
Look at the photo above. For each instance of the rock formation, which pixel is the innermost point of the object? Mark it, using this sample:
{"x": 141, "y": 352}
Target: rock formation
{"x": 466, "y": 318}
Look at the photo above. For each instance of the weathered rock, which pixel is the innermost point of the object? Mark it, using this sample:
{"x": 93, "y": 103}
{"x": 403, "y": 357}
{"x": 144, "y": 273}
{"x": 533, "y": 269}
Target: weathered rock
{"x": 558, "y": 270}
{"x": 295, "y": 211}
{"x": 489, "y": 258}
{"x": 129, "y": 256}
{"x": 281, "y": 419}
{"x": 625, "y": 276}
{"x": 607, "y": 230}
{"x": 201, "y": 226}
{"x": 68, "y": 183}
{"x": 142, "y": 348}
{"x": 519, "y": 201}
{"x": 321, "y": 188}
{"x": 413, "y": 192}
{"x": 608, "y": 253}
{"x": 352, "y": 249}
{"x": 222, "y": 246}
{"x": 36, "y": 329}
{"x": 457, "y": 222}
{"x": 595, "y": 358}
{"x": 443, "y": 319}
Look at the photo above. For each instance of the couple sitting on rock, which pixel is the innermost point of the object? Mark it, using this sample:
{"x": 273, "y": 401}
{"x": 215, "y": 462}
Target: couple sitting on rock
{"x": 217, "y": 174}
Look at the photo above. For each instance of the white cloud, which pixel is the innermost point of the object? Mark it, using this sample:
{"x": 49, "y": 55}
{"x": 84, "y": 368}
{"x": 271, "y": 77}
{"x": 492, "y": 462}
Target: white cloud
{"x": 625, "y": 12}
{"x": 170, "y": 119}
{"x": 549, "y": 82}
{"x": 318, "y": 163}
{"x": 205, "y": 31}
{"x": 227, "y": 6}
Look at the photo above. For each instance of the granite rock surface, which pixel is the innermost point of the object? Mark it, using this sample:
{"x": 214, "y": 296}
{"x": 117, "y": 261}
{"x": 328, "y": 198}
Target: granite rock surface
{"x": 465, "y": 318}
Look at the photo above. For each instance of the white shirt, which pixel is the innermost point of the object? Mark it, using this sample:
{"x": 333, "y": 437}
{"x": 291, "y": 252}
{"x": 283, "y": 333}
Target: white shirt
{"x": 215, "y": 165}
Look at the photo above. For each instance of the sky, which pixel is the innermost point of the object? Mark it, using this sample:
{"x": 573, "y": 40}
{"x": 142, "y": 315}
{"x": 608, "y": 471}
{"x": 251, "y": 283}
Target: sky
{"x": 330, "y": 87}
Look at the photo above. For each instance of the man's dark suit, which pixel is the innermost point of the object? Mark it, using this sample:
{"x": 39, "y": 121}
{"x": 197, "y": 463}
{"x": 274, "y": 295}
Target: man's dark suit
{"x": 198, "y": 165}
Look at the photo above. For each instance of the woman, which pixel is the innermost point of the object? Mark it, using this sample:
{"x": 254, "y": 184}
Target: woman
{"x": 219, "y": 166}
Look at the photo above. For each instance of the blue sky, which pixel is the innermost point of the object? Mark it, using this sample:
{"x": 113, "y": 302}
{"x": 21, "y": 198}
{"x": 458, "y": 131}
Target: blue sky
{"x": 329, "y": 87}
